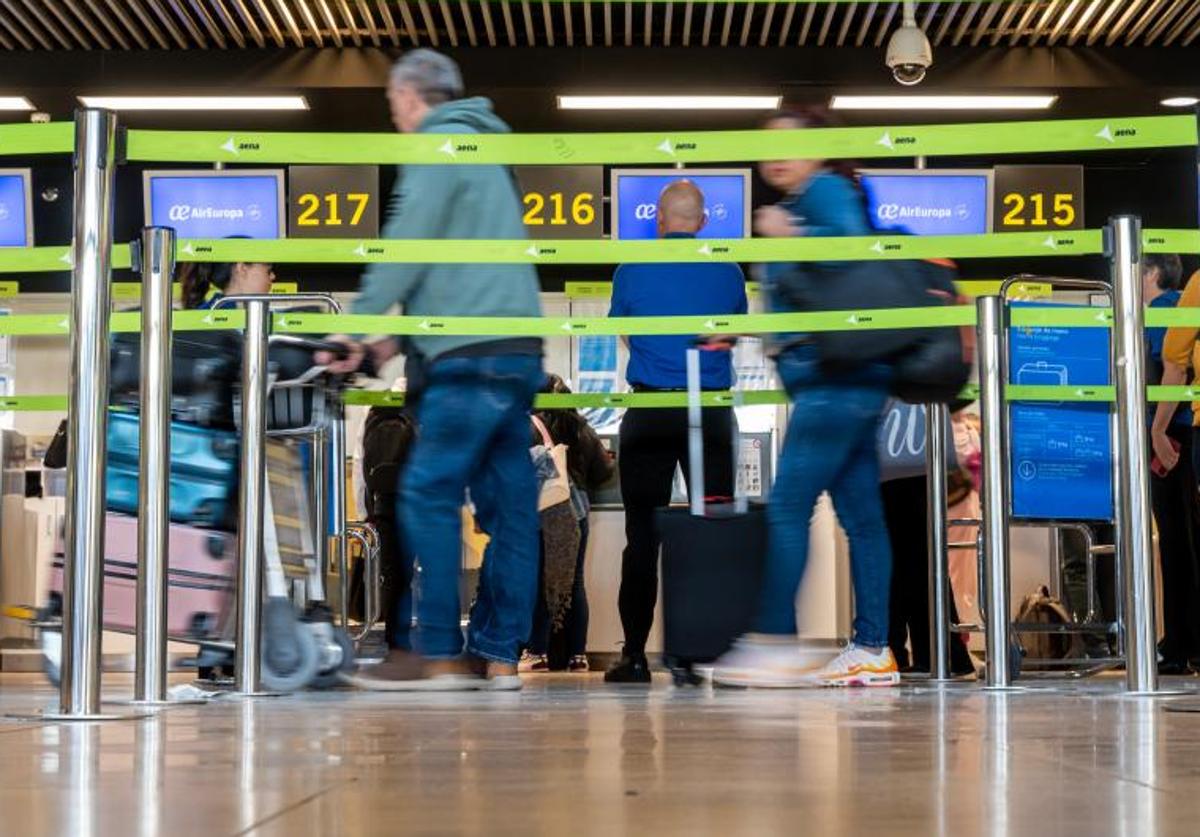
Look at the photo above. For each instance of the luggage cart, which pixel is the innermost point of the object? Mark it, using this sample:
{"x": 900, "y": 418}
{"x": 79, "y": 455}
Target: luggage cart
{"x": 1091, "y": 624}
{"x": 301, "y": 528}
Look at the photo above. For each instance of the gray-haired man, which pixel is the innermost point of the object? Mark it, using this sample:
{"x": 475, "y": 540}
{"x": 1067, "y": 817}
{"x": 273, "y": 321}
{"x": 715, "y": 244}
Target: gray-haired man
{"x": 473, "y": 394}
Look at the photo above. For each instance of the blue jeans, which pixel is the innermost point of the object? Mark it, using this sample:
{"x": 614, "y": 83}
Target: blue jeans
{"x": 830, "y": 446}
{"x": 475, "y": 434}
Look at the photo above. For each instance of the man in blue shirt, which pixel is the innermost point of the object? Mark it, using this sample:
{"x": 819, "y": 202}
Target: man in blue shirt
{"x": 654, "y": 441}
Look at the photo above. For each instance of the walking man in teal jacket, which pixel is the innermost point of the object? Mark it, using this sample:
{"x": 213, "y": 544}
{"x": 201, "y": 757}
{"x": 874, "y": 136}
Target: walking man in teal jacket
{"x": 473, "y": 396}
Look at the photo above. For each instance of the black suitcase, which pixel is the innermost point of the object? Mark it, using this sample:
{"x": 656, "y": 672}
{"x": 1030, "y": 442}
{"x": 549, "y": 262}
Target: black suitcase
{"x": 713, "y": 555}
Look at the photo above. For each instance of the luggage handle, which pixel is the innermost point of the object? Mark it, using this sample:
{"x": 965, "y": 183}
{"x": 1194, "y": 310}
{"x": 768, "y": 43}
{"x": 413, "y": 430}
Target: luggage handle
{"x": 696, "y": 496}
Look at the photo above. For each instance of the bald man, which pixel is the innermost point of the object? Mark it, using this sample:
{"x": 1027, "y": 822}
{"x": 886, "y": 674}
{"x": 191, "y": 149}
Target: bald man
{"x": 654, "y": 441}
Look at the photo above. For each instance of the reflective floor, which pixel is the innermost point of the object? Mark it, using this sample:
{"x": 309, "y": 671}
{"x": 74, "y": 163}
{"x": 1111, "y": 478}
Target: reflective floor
{"x": 570, "y": 756}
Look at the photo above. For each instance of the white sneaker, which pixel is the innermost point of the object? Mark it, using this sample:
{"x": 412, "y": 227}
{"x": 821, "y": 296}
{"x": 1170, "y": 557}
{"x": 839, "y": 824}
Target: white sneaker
{"x": 766, "y": 663}
{"x": 856, "y": 666}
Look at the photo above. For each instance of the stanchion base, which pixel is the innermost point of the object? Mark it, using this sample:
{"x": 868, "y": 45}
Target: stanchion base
{"x": 1186, "y": 706}
{"x": 1160, "y": 693}
{"x": 1005, "y": 689}
{"x": 156, "y": 704}
{"x": 238, "y": 695}
{"x": 58, "y": 717}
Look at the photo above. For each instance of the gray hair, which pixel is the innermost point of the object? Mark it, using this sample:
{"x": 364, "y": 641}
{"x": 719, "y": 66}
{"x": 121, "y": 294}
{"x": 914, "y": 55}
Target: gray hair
{"x": 435, "y": 77}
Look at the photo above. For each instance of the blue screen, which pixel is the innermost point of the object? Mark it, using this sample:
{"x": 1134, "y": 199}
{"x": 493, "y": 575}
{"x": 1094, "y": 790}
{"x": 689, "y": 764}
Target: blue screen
{"x": 204, "y": 206}
{"x": 928, "y": 204}
{"x": 637, "y": 203}
{"x": 1061, "y": 453}
{"x": 14, "y": 221}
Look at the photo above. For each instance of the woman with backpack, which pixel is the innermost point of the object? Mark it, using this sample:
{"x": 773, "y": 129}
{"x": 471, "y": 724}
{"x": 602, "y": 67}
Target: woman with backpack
{"x": 830, "y": 447}
{"x": 560, "y": 619}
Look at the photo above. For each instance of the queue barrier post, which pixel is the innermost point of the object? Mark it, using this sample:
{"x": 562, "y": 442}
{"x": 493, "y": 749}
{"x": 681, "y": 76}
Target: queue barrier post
{"x": 936, "y": 458}
{"x": 1131, "y": 443}
{"x": 154, "y": 466}
{"x": 994, "y": 438}
{"x": 251, "y": 507}
{"x": 83, "y": 592}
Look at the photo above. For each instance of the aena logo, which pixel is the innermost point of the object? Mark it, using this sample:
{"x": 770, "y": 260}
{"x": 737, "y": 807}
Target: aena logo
{"x": 204, "y": 248}
{"x": 685, "y": 146}
{"x": 1154, "y": 239}
{"x": 374, "y": 251}
{"x": 248, "y": 146}
{"x": 1125, "y": 132}
{"x": 466, "y": 147}
{"x": 904, "y": 140}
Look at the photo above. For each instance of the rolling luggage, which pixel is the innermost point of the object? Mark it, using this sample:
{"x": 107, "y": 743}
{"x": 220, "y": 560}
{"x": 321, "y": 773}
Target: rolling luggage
{"x": 713, "y": 555}
{"x": 205, "y": 370}
{"x": 200, "y": 579}
{"x": 203, "y": 479}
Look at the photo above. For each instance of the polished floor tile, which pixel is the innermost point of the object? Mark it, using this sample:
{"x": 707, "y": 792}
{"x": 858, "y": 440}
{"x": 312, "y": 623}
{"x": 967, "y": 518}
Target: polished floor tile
{"x": 570, "y": 756}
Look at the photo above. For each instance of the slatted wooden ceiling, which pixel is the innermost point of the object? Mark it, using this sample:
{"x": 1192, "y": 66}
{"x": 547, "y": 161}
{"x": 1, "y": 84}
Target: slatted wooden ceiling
{"x": 269, "y": 24}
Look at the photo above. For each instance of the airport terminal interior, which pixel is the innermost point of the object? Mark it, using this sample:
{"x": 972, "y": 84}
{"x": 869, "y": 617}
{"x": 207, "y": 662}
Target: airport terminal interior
{"x": 916, "y": 552}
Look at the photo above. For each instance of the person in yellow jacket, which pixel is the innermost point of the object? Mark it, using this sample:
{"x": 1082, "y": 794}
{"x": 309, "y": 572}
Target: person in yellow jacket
{"x": 1175, "y": 439}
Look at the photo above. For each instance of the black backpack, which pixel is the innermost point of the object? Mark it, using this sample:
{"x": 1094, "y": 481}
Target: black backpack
{"x": 930, "y": 365}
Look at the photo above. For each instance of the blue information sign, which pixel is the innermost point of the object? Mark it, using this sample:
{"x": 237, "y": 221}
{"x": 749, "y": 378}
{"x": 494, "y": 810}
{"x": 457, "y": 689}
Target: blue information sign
{"x": 1061, "y": 453}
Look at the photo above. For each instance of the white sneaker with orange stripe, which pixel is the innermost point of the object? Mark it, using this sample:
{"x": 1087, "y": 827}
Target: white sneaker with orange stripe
{"x": 858, "y": 666}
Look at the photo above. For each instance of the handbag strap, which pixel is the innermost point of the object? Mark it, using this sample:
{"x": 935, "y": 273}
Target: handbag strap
{"x": 541, "y": 428}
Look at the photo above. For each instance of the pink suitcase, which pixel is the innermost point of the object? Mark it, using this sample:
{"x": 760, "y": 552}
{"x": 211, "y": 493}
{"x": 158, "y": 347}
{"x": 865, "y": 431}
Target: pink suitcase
{"x": 200, "y": 581}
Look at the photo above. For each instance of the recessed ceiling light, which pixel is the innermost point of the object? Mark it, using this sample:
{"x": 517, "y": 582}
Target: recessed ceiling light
{"x": 15, "y": 103}
{"x": 195, "y": 102}
{"x": 922, "y": 102}
{"x": 1181, "y": 102}
{"x": 669, "y": 102}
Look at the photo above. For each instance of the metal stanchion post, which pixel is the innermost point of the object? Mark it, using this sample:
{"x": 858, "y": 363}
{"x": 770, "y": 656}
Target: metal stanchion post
{"x": 1132, "y": 442}
{"x": 936, "y": 457}
{"x": 154, "y": 466}
{"x": 994, "y": 412}
{"x": 83, "y": 607}
{"x": 251, "y": 515}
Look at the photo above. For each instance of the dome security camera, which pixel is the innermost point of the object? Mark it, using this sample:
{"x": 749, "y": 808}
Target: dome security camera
{"x": 909, "y": 53}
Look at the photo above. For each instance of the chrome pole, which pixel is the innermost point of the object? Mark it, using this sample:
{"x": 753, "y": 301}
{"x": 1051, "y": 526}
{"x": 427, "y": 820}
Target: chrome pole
{"x": 1133, "y": 494}
{"x": 994, "y": 440}
{"x": 251, "y": 515}
{"x": 150, "y": 655}
{"x": 320, "y": 504}
{"x": 83, "y": 592}
{"x": 936, "y": 457}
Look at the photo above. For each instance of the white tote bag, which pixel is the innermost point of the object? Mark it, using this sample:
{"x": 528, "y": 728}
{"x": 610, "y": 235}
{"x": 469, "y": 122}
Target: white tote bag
{"x": 557, "y": 489}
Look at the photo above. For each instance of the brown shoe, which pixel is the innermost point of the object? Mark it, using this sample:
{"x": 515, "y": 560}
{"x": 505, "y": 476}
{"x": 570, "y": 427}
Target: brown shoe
{"x": 404, "y": 671}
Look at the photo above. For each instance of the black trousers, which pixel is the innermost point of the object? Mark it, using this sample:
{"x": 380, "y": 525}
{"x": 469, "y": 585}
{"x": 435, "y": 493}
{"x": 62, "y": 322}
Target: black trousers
{"x": 653, "y": 442}
{"x": 1176, "y": 503}
{"x": 906, "y": 509}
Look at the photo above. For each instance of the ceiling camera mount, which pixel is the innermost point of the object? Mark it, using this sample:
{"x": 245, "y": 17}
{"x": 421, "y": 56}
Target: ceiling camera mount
{"x": 909, "y": 54}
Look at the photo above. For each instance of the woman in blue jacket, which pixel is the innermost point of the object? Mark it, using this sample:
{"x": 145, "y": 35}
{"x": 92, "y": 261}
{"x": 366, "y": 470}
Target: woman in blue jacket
{"x": 830, "y": 447}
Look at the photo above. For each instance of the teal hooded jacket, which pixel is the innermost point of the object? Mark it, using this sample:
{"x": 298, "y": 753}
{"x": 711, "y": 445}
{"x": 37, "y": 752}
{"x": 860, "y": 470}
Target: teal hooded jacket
{"x": 453, "y": 202}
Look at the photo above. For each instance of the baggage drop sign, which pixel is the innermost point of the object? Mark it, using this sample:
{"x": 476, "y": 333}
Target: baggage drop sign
{"x": 1060, "y": 452}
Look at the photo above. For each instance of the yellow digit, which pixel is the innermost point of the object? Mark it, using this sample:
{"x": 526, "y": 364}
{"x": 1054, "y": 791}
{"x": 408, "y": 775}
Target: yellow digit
{"x": 1013, "y": 218}
{"x": 360, "y": 201}
{"x": 1039, "y": 209}
{"x": 536, "y": 203}
{"x": 558, "y": 219}
{"x": 1064, "y": 210}
{"x": 582, "y": 210}
{"x": 310, "y": 203}
{"x": 333, "y": 220}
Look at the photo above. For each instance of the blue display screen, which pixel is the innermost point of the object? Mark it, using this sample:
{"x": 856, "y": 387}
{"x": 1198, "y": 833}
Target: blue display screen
{"x": 928, "y": 204}
{"x": 212, "y": 206}
{"x": 14, "y": 208}
{"x": 637, "y": 203}
{"x": 1061, "y": 453}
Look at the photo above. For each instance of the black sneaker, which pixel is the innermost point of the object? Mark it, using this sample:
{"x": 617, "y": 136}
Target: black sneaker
{"x": 631, "y": 668}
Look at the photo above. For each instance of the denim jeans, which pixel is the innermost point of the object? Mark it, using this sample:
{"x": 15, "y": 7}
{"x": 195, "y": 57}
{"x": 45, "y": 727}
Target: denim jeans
{"x": 830, "y": 446}
{"x": 475, "y": 431}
